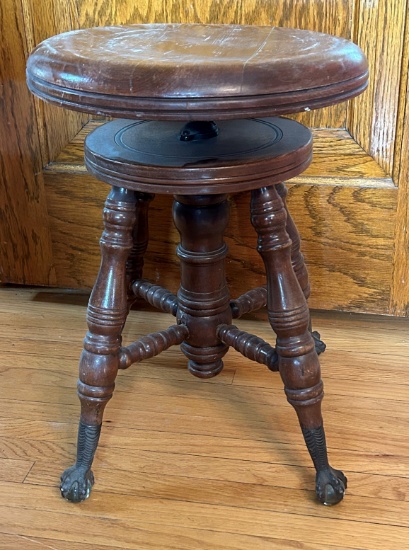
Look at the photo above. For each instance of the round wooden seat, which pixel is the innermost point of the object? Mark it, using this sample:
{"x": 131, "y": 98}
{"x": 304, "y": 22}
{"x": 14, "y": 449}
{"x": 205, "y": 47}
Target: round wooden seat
{"x": 185, "y": 72}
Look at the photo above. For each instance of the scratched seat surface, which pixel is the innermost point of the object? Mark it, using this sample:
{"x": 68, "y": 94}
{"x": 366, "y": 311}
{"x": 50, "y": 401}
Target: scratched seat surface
{"x": 194, "y": 71}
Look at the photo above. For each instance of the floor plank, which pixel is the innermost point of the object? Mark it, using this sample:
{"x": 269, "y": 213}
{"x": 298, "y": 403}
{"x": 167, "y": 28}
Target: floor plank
{"x": 191, "y": 464}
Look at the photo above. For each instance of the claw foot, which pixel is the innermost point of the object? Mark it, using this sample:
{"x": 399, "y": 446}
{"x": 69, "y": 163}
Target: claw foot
{"x": 319, "y": 344}
{"x": 330, "y": 486}
{"x": 76, "y": 484}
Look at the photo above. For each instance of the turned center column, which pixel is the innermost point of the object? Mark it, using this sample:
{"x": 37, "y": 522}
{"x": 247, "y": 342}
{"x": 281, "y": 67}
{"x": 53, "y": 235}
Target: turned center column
{"x": 203, "y": 296}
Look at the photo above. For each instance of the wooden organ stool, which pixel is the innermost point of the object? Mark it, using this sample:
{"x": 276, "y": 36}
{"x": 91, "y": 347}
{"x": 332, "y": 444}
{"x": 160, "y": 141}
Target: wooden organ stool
{"x": 196, "y": 116}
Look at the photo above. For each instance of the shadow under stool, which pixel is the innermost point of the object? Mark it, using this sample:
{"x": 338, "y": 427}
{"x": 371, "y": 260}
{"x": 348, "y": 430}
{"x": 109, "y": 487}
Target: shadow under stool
{"x": 196, "y": 111}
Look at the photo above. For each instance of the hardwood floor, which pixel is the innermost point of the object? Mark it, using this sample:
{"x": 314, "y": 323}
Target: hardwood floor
{"x": 187, "y": 464}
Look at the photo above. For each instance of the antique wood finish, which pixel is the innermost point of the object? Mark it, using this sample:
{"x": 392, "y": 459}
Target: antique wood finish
{"x": 140, "y": 239}
{"x": 150, "y": 156}
{"x": 289, "y": 318}
{"x": 297, "y": 258}
{"x": 156, "y": 296}
{"x": 100, "y": 359}
{"x": 192, "y": 73}
{"x": 123, "y": 154}
{"x": 250, "y": 301}
{"x": 249, "y": 345}
{"x": 196, "y": 72}
{"x": 152, "y": 345}
{"x": 203, "y": 297}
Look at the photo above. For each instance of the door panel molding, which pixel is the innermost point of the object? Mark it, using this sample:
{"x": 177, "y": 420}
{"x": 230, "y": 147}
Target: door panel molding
{"x": 373, "y": 116}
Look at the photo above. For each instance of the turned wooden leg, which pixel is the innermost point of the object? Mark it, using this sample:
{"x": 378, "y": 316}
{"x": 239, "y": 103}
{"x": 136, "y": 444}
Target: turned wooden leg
{"x": 107, "y": 311}
{"x": 140, "y": 236}
{"x": 289, "y": 317}
{"x": 297, "y": 260}
{"x": 203, "y": 297}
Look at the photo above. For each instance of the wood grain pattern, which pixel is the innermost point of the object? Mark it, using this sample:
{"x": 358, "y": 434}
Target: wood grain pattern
{"x": 14, "y": 470}
{"x": 354, "y": 214}
{"x": 42, "y": 20}
{"x": 400, "y": 157}
{"x": 16, "y": 542}
{"x": 400, "y": 289}
{"x": 400, "y": 283}
{"x": 319, "y": 15}
{"x": 339, "y": 279}
{"x": 25, "y": 250}
{"x": 372, "y": 117}
{"x": 165, "y": 437}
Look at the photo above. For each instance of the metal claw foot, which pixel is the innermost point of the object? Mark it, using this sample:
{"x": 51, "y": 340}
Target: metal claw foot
{"x": 330, "y": 486}
{"x": 320, "y": 346}
{"x": 76, "y": 483}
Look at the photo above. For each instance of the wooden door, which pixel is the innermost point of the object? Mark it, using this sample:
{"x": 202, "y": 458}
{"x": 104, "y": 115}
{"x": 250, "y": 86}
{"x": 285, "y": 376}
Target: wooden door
{"x": 350, "y": 205}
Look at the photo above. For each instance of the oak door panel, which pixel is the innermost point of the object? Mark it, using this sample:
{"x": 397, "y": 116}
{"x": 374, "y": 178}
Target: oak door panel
{"x": 25, "y": 242}
{"x": 350, "y": 205}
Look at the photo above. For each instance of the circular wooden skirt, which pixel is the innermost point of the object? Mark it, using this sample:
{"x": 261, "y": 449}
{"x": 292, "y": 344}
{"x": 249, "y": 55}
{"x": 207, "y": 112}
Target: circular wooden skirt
{"x": 150, "y": 156}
